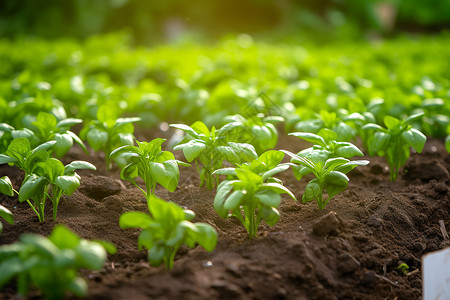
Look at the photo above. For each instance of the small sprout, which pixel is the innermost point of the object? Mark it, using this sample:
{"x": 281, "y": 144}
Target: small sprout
{"x": 403, "y": 268}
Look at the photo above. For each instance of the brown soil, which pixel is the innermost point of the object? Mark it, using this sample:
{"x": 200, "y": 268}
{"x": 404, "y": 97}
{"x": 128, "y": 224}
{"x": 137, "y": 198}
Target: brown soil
{"x": 351, "y": 254}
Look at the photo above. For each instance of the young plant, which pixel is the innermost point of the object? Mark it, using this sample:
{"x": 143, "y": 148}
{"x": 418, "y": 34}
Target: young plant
{"x": 148, "y": 161}
{"x": 254, "y": 195}
{"x": 394, "y": 141}
{"x": 329, "y": 173}
{"x": 7, "y": 189}
{"x": 109, "y": 132}
{"x": 51, "y": 180}
{"x": 325, "y": 147}
{"x": 329, "y": 120}
{"x": 209, "y": 149}
{"x": 257, "y": 130}
{"x": 403, "y": 268}
{"x": 20, "y": 154}
{"x": 166, "y": 229}
{"x": 51, "y": 264}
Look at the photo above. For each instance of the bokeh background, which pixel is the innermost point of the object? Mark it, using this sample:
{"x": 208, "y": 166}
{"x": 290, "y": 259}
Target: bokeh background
{"x": 150, "y": 22}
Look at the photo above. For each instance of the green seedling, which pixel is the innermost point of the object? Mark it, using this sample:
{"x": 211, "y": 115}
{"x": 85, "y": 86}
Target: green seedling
{"x": 329, "y": 120}
{"x": 51, "y": 180}
{"x": 329, "y": 173}
{"x": 254, "y": 195}
{"x": 7, "y": 189}
{"x": 403, "y": 268}
{"x": 394, "y": 141}
{"x": 20, "y": 154}
{"x": 257, "y": 130}
{"x": 47, "y": 128}
{"x": 209, "y": 149}
{"x": 325, "y": 147}
{"x": 109, "y": 132}
{"x": 51, "y": 264}
{"x": 150, "y": 163}
{"x": 166, "y": 229}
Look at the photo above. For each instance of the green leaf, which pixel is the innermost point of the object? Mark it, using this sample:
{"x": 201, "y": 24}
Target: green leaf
{"x": 310, "y": 137}
{"x": 32, "y": 188}
{"x": 372, "y": 126}
{"x": 78, "y": 287}
{"x": 276, "y": 187}
{"x": 97, "y": 138}
{"x": 379, "y": 141}
{"x": 332, "y": 163}
{"x": 193, "y": 149}
{"x": 269, "y": 214}
{"x": 67, "y": 123}
{"x": 64, "y": 238}
{"x": 271, "y": 158}
{"x": 415, "y": 139}
{"x": 206, "y": 236}
{"x": 5, "y": 159}
{"x": 391, "y": 122}
{"x": 18, "y": 148}
{"x": 43, "y": 245}
{"x": 223, "y": 190}
{"x": 225, "y": 171}
{"x": 248, "y": 177}
{"x": 413, "y": 117}
{"x": 90, "y": 255}
{"x": 6, "y": 214}
{"x": 10, "y": 268}
{"x": 156, "y": 255}
{"x": 63, "y": 144}
{"x": 186, "y": 129}
{"x": 53, "y": 168}
{"x": 134, "y": 219}
{"x": 109, "y": 247}
{"x": 335, "y": 183}
{"x": 6, "y": 186}
{"x": 123, "y": 121}
{"x": 45, "y": 123}
{"x": 200, "y": 127}
{"x": 269, "y": 198}
{"x": 275, "y": 171}
{"x": 166, "y": 174}
{"x": 347, "y": 167}
{"x": 68, "y": 183}
{"x": 234, "y": 200}
{"x": 344, "y": 132}
{"x": 44, "y": 147}
{"x": 78, "y": 165}
{"x": 77, "y": 140}
{"x": 312, "y": 191}
{"x": 348, "y": 151}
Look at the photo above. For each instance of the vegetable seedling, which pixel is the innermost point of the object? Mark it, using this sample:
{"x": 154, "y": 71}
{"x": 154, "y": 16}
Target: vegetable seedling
{"x": 258, "y": 130}
{"x": 51, "y": 180}
{"x": 51, "y": 264}
{"x": 255, "y": 195}
{"x": 394, "y": 141}
{"x": 20, "y": 154}
{"x": 148, "y": 161}
{"x": 209, "y": 149}
{"x": 109, "y": 132}
{"x": 329, "y": 173}
{"x": 403, "y": 268}
{"x": 166, "y": 229}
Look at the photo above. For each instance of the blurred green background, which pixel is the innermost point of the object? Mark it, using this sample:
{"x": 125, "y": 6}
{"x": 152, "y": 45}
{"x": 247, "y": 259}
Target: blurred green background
{"x": 151, "y": 22}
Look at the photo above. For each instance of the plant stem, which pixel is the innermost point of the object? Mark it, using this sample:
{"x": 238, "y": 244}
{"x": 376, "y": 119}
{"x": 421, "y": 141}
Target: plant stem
{"x": 35, "y": 211}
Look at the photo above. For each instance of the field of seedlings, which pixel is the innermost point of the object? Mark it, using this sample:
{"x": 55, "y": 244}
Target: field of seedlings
{"x": 232, "y": 170}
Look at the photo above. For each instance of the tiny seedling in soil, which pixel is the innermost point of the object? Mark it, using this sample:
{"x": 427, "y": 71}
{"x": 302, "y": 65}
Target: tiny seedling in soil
{"x": 403, "y": 268}
{"x": 51, "y": 264}
{"x": 148, "y": 161}
{"x": 166, "y": 229}
{"x": 209, "y": 149}
{"x": 394, "y": 141}
{"x": 255, "y": 195}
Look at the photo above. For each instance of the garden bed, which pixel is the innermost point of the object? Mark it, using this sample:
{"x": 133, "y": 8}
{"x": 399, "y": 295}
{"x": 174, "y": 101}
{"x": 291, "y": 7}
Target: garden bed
{"x": 351, "y": 254}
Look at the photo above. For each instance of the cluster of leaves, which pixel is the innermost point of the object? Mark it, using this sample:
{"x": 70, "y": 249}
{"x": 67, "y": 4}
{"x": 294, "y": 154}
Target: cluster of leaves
{"x": 210, "y": 148}
{"x": 166, "y": 229}
{"x": 6, "y": 188}
{"x": 109, "y": 132}
{"x": 254, "y": 195}
{"x": 44, "y": 176}
{"x": 394, "y": 141}
{"x": 149, "y": 162}
{"x": 51, "y": 264}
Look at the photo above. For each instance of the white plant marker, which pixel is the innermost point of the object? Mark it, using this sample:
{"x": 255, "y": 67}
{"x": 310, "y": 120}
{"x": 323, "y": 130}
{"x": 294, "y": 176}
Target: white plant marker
{"x": 436, "y": 275}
